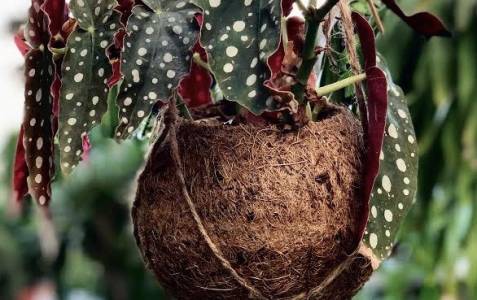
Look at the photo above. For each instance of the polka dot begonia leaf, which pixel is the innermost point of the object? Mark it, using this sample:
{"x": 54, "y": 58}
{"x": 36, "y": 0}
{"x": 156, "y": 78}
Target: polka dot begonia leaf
{"x": 240, "y": 36}
{"x": 37, "y": 125}
{"x": 86, "y": 69}
{"x": 36, "y": 32}
{"x": 396, "y": 185}
{"x": 156, "y": 56}
{"x": 37, "y": 128}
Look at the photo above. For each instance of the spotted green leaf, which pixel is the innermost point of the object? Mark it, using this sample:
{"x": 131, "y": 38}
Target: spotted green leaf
{"x": 396, "y": 185}
{"x": 239, "y": 36}
{"x": 156, "y": 57}
{"x": 86, "y": 70}
{"x": 37, "y": 124}
{"x": 37, "y": 127}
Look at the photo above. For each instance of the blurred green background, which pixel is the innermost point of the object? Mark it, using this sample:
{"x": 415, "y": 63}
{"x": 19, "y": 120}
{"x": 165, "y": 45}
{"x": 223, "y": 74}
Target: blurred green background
{"x": 95, "y": 256}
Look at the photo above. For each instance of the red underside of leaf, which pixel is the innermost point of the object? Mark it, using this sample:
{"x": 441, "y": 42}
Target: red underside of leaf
{"x": 55, "y": 92}
{"x": 287, "y": 6}
{"x": 195, "y": 87}
{"x": 20, "y": 170}
{"x": 377, "y": 107}
{"x": 424, "y": 23}
{"x": 114, "y": 53}
{"x": 86, "y": 147}
{"x": 57, "y": 13}
{"x": 21, "y": 43}
{"x": 284, "y": 63}
{"x": 125, "y": 8}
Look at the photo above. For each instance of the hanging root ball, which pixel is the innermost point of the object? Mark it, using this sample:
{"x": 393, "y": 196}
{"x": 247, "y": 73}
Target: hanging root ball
{"x": 276, "y": 212}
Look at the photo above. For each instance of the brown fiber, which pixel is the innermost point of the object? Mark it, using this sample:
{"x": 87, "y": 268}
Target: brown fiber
{"x": 280, "y": 208}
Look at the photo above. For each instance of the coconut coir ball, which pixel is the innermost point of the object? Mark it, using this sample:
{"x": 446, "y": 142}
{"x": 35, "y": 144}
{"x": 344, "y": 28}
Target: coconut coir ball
{"x": 276, "y": 211}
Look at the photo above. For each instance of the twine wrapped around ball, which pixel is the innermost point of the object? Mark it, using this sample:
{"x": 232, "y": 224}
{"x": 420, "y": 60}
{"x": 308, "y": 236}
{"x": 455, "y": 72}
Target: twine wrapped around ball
{"x": 240, "y": 212}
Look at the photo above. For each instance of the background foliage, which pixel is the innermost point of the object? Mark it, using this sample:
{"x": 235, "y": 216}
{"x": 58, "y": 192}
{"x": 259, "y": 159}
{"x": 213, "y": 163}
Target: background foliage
{"x": 435, "y": 259}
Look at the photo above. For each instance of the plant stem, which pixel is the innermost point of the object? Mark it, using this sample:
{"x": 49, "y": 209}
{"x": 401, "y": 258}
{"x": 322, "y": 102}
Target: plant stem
{"x": 313, "y": 17}
{"x": 328, "y": 89}
{"x": 309, "y": 58}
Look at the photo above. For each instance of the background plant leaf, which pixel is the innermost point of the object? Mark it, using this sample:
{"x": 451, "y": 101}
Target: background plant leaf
{"x": 156, "y": 57}
{"x": 239, "y": 45}
{"x": 86, "y": 70}
{"x": 396, "y": 184}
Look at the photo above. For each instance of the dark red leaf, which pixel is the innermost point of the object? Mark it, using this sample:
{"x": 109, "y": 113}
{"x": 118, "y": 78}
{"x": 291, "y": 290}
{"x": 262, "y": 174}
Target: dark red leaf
{"x": 287, "y": 6}
{"x": 114, "y": 54}
{"x": 377, "y": 107}
{"x": 20, "y": 170}
{"x": 368, "y": 41}
{"x": 283, "y": 63}
{"x": 424, "y": 22}
{"x": 296, "y": 34}
{"x": 55, "y": 92}
{"x": 114, "y": 51}
{"x": 125, "y": 7}
{"x": 57, "y": 13}
{"x": 195, "y": 87}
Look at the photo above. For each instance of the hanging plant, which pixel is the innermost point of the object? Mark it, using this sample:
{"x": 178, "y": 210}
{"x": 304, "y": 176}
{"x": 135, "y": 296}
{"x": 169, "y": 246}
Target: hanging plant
{"x": 260, "y": 180}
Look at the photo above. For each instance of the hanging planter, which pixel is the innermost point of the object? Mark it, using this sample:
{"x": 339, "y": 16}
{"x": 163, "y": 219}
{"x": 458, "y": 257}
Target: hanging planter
{"x": 260, "y": 178}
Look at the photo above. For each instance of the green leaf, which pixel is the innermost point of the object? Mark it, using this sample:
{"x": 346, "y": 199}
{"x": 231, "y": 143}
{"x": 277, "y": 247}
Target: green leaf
{"x": 396, "y": 185}
{"x": 239, "y": 37}
{"x": 156, "y": 57}
{"x": 86, "y": 69}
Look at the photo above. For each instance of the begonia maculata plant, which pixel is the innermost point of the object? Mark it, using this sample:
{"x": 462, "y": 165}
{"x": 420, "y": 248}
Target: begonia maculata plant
{"x": 283, "y": 157}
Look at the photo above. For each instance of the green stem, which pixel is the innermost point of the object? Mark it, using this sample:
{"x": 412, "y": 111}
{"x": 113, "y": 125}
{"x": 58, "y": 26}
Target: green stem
{"x": 309, "y": 59}
{"x": 328, "y": 89}
{"x": 313, "y": 17}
